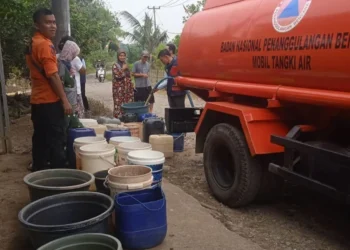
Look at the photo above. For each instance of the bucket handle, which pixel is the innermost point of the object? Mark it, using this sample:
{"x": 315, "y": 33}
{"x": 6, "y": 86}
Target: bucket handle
{"x": 149, "y": 209}
{"x": 112, "y": 163}
{"x": 183, "y": 134}
{"x": 105, "y": 183}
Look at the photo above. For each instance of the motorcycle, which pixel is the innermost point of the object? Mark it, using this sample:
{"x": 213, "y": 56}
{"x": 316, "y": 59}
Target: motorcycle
{"x": 101, "y": 74}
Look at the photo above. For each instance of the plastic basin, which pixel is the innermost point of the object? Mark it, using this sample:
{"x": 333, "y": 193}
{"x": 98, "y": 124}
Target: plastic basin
{"x": 84, "y": 242}
{"x": 56, "y": 181}
{"x": 137, "y": 108}
{"x": 62, "y": 215}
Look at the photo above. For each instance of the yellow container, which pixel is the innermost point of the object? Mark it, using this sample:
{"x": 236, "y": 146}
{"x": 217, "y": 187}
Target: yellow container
{"x": 163, "y": 143}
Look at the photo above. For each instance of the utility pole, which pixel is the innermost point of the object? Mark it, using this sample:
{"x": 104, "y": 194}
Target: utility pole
{"x": 154, "y": 14}
{"x": 60, "y": 8}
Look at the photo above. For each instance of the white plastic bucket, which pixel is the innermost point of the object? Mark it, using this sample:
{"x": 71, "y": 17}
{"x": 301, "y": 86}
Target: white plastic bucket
{"x": 97, "y": 157}
{"x": 128, "y": 178}
{"x": 124, "y": 148}
{"x": 153, "y": 159}
{"x": 82, "y": 141}
{"x": 99, "y": 129}
{"x": 122, "y": 139}
{"x": 88, "y": 122}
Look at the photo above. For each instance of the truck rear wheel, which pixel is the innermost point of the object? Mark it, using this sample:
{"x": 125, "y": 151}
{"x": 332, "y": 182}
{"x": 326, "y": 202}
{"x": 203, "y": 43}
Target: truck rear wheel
{"x": 232, "y": 174}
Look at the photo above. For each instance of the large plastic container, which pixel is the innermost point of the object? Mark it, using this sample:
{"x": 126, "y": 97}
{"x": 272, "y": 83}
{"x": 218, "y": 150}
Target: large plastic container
{"x": 137, "y": 108}
{"x": 116, "y": 133}
{"x": 115, "y": 126}
{"x": 153, "y": 159}
{"x": 134, "y": 128}
{"x": 163, "y": 143}
{"x": 179, "y": 142}
{"x": 152, "y": 126}
{"x": 56, "y": 181}
{"x": 88, "y": 122}
{"x": 89, "y": 241}
{"x": 107, "y": 120}
{"x": 66, "y": 214}
{"x": 73, "y": 134}
{"x": 99, "y": 129}
{"x": 97, "y": 157}
{"x": 79, "y": 142}
{"x": 141, "y": 219}
{"x": 128, "y": 178}
{"x": 123, "y": 139}
{"x": 124, "y": 148}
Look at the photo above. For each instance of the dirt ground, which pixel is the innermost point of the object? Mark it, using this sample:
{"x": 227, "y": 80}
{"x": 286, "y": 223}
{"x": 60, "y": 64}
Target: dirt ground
{"x": 301, "y": 220}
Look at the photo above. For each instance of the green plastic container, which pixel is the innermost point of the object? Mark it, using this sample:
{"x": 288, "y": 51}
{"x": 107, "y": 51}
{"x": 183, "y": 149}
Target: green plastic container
{"x": 84, "y": 242}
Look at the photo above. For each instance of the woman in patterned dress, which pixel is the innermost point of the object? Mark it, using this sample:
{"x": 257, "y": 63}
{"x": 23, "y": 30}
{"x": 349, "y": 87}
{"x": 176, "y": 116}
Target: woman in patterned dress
{"x": 123, "y": 90}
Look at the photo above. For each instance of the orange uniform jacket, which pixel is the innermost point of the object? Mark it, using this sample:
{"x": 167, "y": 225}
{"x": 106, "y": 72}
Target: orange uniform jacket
{"x": 44, "y": 56}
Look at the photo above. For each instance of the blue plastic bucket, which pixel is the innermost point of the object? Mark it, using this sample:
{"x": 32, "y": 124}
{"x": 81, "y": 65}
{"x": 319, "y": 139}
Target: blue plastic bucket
{"x": 179, "y": 142}
{"x": 73, "y": 134}
{"x": 116, "y": 133}
{"x": 153, "y": 159}
{"x": 140, "y": 218}
{"x": 142, "y": 117}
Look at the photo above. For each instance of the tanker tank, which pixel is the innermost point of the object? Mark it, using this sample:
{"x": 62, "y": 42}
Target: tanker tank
{"x": 302, "y": 44}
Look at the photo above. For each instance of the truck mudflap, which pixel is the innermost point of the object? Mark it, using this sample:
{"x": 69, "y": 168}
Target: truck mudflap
{"x": 294, "y": 149}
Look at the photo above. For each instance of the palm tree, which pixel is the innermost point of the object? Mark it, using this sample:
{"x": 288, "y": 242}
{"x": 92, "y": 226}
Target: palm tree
{"x": 145, "y": 35}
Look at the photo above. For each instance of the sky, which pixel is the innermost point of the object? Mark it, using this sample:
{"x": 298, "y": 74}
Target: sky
{"x": 169, "y": 17}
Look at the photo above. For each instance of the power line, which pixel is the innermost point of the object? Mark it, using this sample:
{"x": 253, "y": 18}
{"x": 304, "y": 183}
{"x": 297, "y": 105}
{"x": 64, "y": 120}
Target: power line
{"x": 171, "y": 6}
{"x": 170, "y": 3}
{"x": 142, "y": 11}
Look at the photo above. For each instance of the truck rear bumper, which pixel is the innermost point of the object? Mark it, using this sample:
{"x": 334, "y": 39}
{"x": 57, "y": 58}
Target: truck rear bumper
{"x": 293, "y": 149}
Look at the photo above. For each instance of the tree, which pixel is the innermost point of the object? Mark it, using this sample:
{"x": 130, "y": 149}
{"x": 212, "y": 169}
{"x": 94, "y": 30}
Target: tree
{"x": 15, "y": 30}
{"x": 176, "y": 40}
{"x": 192, "y": 9}
{"x": 144, "y": 34}
{"x": 158, "y": 64}
{"x": 92, "y": 25}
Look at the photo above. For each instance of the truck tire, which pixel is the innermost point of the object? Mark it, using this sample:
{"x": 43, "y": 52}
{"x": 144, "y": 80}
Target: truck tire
{"x": 233, "y": 175}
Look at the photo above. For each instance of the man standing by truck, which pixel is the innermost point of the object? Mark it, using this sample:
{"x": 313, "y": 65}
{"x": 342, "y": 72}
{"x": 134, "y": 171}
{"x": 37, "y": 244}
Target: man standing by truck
{"x": 140, "y": 71}
{"x": 176, "y": 97}
{"x": 48, "y": 99}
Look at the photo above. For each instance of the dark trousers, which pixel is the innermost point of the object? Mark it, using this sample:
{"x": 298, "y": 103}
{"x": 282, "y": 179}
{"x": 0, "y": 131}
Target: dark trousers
{"x": 176, "y": 101}
{"x": 49, "y": 136}
{"x": 83, "y": 96}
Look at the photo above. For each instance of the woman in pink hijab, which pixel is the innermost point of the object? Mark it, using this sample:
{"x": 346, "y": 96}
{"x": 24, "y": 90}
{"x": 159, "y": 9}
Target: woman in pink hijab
{"x": 69, "y": 57}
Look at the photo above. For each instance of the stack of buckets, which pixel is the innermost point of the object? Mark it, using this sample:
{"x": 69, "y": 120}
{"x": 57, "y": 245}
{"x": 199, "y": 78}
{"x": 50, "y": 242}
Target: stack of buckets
{"x": 140, "y": 205}
{"x": 135, "y": 185}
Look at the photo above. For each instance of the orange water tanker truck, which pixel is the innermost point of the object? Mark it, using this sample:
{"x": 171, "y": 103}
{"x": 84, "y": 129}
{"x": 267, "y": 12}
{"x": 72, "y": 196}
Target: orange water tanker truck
{"x": 275, "y": 76}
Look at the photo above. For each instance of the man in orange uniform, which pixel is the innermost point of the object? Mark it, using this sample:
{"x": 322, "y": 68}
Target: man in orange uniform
{"x": 48, "y": 99}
